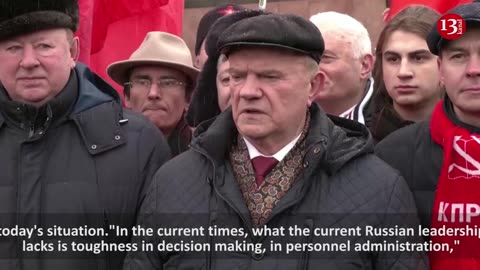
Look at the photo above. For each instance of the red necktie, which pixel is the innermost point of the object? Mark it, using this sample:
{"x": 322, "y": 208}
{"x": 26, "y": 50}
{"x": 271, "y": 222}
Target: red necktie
{"x": 262, "y": 166}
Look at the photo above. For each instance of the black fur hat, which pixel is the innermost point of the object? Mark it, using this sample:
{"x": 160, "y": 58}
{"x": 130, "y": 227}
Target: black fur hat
{"x": 204, "y": 103}
{"x": 26, "y": 16}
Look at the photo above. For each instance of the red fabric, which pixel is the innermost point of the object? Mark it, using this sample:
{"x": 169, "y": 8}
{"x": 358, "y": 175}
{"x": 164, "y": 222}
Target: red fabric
{"x": 110, "y": 30}
{"x": 457, "y": 199}
{"x": 262, "y": 166}
{"x": 442, "y": 6}
{"x": 84, "y": 32}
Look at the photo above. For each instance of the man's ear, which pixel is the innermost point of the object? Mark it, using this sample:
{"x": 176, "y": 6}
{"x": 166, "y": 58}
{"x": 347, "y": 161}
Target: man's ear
{"x": 187, "y": 103}
{"x": 439, "y": 64}
{"x": 126, "y": 98}
{"x": 317, "y": 84}
{"x": 75, "y": 48}
{"x": 367, "y": 66}
{"x": 386, "y": 15}
{"x": 128, "y": 105}
{"x": 196, "y": 62}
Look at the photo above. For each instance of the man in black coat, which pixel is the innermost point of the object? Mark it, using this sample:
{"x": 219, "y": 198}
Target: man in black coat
{"x": 274, "y": 159}
{"x": 70, "y": 157}
{"x": 439, "y": 158}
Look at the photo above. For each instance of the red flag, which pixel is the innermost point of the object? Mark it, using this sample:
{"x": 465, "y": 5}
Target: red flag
{"x": 84, "y": 32}
{"x": 112, "y": 29}
{"x": 441, "y": 6}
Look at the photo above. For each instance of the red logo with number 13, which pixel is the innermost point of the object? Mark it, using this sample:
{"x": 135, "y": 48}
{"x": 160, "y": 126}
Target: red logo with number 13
{"x": 451, "y": 26}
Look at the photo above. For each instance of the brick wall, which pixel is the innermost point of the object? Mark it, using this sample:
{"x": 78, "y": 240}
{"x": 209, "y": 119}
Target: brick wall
{"x": 369, "y": 12}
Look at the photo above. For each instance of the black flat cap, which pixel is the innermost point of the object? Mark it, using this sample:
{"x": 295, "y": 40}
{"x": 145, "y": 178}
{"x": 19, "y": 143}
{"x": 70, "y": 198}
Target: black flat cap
{"x": 204, "y": 103}
{"x": 286, "y": 31}
{"x": 25, "y": 16}
{"x": 469, "y": 12}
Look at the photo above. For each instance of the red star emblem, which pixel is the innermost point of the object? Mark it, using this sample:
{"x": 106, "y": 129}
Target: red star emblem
{"x": 227, "y": 10}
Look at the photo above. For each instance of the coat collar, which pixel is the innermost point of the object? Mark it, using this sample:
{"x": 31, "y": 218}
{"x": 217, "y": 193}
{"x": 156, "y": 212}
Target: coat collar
{"x": 101, "y": 127}
{"x": 339, "y": 140}
{"x": 31, "y": 118}
{"x": 97, "y": 113}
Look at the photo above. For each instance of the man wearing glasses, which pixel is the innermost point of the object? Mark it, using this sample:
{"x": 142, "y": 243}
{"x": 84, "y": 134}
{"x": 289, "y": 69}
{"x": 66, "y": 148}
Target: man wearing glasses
{"x": 158, "y": 80}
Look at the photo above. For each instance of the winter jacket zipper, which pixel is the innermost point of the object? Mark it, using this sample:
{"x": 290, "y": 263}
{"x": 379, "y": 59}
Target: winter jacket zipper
{"x": 229, "y": 202}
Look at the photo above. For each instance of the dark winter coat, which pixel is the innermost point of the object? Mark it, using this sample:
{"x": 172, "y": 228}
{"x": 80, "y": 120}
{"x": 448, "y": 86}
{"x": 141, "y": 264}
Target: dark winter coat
{"x": 180, "y": 138}
{"x": 412, "y": 151}
{"x": 385, "y": 122}
{"x": 342, "y": 185}
{"x": 79, "y": 160}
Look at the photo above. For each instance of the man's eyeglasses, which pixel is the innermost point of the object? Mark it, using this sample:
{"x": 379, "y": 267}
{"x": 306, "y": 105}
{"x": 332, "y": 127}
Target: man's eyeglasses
{"x": 146, "y": 84}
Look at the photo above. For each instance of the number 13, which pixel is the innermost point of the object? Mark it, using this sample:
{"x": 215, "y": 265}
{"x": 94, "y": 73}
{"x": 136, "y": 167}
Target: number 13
{"x": 453, "y": 26}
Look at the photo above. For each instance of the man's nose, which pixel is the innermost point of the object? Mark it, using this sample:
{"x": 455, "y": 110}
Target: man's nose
{"x": 473, "y": 67}
{"x": 29, "y": 58}
{"x": 251, "y": 88}
{"x": 155, "y": 92}
{"x": 405, "y": 70}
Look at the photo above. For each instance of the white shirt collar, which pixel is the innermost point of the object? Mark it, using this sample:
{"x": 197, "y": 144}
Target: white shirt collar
{"x": 280, "y": 155}
{"x": 348, "y": 113}
{"x": 356, "y": 112}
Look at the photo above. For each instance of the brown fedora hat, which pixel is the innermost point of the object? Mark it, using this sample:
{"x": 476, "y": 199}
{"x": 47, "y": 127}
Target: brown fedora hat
{"x": 158, "y": 48}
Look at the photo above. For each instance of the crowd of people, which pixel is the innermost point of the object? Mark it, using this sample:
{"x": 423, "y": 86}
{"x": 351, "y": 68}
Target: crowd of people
{"x": 277, "y": 121}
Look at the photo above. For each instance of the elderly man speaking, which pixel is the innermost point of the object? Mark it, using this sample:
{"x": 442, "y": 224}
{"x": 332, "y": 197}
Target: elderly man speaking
{"x": 275, "y": 159}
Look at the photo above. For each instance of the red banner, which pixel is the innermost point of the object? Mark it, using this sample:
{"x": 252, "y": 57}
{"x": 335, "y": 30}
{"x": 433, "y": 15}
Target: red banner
{"x": 441, "y": 6}
{"x": 110, "y": 30}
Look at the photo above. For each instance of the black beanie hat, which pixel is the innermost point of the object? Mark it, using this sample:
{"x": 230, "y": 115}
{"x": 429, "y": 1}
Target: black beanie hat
{"x": 19, "y": 17}
{"x": 204, "y": 103}
{"x": 210, "y": 18}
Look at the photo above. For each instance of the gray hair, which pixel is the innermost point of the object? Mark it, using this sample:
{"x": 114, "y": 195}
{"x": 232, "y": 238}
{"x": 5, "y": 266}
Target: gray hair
{"x": 221, "y": 59}
{"x": 352, "y": 29}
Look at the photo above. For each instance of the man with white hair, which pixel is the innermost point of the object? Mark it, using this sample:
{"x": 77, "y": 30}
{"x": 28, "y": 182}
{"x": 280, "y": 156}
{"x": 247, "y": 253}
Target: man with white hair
{"x": 347, "y": 64}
